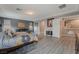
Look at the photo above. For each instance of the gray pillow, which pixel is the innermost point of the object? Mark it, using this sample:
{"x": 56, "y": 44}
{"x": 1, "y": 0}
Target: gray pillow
{"x": 26, "y": 38}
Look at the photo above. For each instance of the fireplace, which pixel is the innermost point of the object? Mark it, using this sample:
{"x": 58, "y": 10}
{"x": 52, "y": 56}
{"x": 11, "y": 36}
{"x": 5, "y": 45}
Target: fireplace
{"x": 49, "y": 33}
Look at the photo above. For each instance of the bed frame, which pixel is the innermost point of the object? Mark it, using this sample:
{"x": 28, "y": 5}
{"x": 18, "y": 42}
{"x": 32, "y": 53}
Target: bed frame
{"x": 8, "y": 50}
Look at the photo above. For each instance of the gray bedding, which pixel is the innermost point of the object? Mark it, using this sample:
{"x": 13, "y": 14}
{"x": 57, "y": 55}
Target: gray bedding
{"x": 7, "y": 42}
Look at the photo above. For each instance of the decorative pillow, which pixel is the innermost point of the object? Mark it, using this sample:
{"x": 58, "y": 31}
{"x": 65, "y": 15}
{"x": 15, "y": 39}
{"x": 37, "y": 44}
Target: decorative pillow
{"x": 19, "y": 40}
{"x": 26, "y": 38}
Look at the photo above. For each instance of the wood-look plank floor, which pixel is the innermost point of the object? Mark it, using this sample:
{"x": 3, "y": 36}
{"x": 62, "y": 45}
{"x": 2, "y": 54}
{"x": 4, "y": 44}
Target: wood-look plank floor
{"x": 51, "y": 45}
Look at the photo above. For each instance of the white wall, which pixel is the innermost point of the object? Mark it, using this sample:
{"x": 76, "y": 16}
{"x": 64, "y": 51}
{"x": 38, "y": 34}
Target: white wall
{"x": 56, "y": 28}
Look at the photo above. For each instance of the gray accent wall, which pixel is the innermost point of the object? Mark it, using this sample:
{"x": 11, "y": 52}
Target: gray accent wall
{"x": 14, "y": 22}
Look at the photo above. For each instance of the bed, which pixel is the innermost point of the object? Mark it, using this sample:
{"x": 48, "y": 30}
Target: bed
{"x": 8, "y": 44}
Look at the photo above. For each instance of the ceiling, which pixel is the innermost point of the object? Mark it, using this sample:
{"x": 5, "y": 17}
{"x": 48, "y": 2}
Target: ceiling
{"x": 38, "y": 11}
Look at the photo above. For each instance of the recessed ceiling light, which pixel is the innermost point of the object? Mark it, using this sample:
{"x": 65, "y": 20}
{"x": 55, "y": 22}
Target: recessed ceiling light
{"x": 30, "y": 13}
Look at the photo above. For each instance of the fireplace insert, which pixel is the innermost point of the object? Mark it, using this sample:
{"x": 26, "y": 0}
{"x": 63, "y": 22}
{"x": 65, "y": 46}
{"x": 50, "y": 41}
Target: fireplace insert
{"x": 49, "y": 33}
